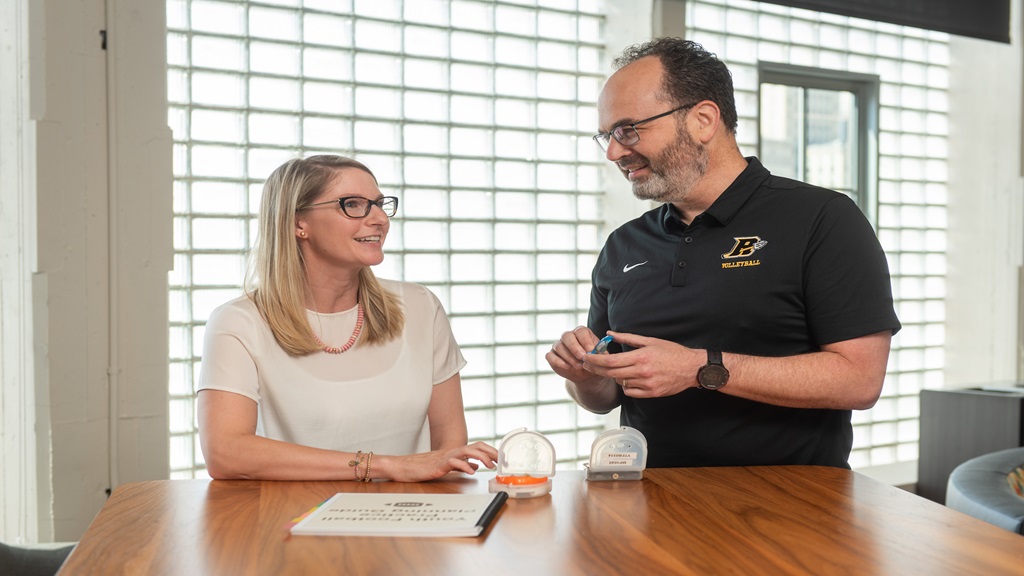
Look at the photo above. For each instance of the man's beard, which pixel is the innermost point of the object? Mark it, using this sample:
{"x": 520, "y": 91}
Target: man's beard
{"x": 675, "y": 171}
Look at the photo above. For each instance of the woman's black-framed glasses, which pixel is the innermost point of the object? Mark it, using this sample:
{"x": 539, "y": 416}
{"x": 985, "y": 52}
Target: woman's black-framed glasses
{"x": 359, "y": 207}
{"x": 627, "y": 134}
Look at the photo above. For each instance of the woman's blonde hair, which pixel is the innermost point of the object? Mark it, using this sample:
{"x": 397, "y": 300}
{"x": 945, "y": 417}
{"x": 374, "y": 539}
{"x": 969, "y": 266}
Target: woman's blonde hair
{"x": 276, "y": 279}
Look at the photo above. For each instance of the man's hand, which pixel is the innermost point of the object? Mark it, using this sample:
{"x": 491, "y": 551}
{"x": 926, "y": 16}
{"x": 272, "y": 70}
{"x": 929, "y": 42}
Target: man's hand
{"x": 654, "y": 368}
{"x": 591, "y": 391}
{"x": 567, "y": 354}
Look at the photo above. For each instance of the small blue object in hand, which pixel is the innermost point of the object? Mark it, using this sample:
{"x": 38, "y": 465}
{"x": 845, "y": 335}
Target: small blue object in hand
{"x": 602, "y": 345}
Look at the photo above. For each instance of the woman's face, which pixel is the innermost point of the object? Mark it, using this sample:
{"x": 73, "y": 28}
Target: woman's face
{"x": 329, "y": 239}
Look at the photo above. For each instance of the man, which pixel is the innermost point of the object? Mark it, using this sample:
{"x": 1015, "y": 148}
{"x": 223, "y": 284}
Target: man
{"x": 753, "y": 312}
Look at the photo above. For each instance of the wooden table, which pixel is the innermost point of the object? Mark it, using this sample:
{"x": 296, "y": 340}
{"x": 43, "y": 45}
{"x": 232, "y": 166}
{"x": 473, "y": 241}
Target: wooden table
{"x": 756, "y": 520}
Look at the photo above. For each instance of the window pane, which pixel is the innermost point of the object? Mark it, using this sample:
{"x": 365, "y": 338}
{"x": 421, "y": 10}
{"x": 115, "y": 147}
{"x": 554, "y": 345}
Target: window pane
{"x": 831, "y": 139}
{"x": 781, "y": 130}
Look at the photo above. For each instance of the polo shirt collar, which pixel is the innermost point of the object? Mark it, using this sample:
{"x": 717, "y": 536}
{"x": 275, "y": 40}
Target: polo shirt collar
{"x": 731, "y": 200}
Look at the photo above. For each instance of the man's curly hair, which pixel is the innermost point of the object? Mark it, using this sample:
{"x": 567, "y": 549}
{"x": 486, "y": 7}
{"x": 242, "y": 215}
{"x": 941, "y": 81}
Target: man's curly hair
{"x": 692, "y": 74}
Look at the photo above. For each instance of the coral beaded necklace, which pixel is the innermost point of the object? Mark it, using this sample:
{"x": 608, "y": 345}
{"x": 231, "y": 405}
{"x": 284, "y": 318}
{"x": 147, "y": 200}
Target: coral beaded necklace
{"x": 351, "y": 341}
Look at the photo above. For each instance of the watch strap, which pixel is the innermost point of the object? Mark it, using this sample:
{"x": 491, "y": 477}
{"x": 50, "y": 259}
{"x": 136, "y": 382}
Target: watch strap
{"x": 714, "y": 356}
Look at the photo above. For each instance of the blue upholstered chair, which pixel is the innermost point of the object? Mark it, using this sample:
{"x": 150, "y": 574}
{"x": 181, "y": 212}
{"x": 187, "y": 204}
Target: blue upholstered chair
{"x": 991, "y": 488}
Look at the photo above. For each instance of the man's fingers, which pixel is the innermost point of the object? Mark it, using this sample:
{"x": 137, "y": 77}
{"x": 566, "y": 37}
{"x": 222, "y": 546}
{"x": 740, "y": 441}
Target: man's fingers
{"x": 632, "y": 340}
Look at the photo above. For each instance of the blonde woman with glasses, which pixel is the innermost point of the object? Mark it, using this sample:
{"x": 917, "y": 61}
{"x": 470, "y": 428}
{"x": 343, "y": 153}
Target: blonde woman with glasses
{"x": 321, "y": 371}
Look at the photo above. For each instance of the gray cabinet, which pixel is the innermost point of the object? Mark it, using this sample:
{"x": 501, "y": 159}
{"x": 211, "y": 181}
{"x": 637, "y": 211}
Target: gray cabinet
{"x": 957, "y": 425}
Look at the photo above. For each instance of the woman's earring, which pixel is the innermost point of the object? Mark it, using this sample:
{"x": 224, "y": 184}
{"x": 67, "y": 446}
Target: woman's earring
{"x": 302, "y": 234}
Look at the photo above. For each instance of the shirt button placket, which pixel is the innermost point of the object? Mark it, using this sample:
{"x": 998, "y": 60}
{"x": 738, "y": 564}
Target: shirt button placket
{"x": 679, "y": 271}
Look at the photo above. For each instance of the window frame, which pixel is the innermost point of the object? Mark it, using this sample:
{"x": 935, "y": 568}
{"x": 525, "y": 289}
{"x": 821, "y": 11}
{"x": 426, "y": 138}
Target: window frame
{"x": 865, "y": 88}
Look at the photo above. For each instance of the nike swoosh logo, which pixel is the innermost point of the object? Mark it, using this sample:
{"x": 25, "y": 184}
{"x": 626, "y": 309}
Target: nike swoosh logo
{"x": 628, "y": 267}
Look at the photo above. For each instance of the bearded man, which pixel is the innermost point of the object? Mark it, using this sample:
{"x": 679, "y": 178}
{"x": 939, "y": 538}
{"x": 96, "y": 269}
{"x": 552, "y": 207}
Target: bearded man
{"x": 750, "y": 314}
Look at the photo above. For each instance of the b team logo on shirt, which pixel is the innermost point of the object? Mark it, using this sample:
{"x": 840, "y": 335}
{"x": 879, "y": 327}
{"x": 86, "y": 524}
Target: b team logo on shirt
{"x": 745, "y": 246}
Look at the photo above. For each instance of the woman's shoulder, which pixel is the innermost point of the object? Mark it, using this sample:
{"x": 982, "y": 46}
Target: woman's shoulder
{"x": 237, "y": 312}
{"x": 410, "y": 293}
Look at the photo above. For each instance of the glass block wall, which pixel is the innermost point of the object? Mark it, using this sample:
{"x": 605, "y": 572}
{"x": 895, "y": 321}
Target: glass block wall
{"x": 476, "y": 113}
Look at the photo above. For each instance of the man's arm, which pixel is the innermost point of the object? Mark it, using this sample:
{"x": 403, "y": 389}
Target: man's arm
{"x": 845, "y": 375}
{"x": 597, "y": 394}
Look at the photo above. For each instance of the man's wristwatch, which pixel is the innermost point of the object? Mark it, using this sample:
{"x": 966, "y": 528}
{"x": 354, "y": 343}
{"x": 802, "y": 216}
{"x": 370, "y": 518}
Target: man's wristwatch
{"x": 713, "y": 375}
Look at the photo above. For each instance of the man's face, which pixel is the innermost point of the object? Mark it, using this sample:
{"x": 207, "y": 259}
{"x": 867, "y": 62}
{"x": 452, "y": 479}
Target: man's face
{"x": 666, "y": 163}
{"x": 674, "y": 171}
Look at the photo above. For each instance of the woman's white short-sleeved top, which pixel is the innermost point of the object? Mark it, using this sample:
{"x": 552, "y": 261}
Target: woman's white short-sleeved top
{"x": 368, "y": 398}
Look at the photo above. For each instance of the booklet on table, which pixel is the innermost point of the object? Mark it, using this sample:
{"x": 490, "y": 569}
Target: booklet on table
{"x": 438, "y": 515}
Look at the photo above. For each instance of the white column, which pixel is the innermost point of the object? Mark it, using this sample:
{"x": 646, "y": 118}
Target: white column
{"x": 18, "y": 494}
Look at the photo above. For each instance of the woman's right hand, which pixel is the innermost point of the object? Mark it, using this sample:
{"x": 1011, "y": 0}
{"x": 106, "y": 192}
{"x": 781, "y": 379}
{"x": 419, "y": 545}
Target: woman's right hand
{"x": 433, "y": 465}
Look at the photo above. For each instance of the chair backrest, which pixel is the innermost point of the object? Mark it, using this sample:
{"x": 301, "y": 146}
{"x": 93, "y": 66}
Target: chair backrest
{"x": 32, "y": 561}
{"x": 991, "y": 488}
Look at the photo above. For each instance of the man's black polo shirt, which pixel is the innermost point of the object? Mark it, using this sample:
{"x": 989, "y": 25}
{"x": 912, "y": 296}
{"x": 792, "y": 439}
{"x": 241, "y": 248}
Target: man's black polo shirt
{"x": 774, "y": 267}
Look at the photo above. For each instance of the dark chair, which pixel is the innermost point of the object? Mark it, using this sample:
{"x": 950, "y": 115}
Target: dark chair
{"x": 32, "y": 561}
{"x": 991, "y": 488}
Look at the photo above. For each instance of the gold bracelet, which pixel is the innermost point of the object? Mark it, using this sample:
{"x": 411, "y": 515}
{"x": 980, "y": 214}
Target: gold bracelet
{"x": 369, "y": 458}
{"x": 354, "y": 464}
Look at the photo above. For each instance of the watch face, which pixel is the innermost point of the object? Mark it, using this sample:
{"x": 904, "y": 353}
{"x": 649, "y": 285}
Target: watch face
{"x": 712, "y": 376}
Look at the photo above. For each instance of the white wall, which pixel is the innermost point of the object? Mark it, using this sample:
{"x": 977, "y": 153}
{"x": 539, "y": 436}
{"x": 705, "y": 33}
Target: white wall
{"x": 141, "y": 236}
{"x": 986, "y": 212}
{"x": 69, "y": 307}
{"x": 93, "y": 235}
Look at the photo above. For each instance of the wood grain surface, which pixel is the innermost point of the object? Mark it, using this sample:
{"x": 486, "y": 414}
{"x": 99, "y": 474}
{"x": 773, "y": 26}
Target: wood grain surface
{"x": 743, "y": 520}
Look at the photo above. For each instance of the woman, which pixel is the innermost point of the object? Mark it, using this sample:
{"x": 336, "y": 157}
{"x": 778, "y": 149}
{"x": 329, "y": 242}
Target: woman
{"x": 321, "y": 371}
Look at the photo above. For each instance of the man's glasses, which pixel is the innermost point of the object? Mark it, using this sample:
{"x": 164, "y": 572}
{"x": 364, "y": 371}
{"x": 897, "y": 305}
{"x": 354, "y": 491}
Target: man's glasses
{"x": 359, "y": 207}
{"x": 627, "y": 134}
